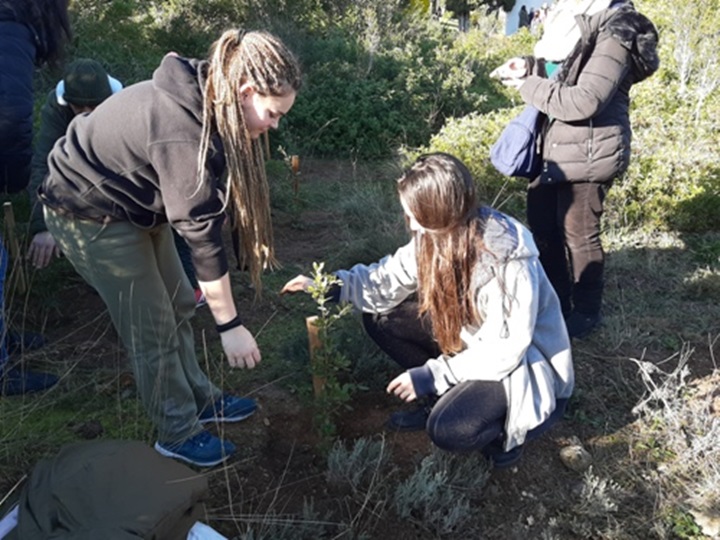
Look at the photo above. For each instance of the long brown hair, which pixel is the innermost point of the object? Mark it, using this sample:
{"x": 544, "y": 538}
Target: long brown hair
{"x": 262, "y": 60}
{"x": 440, "y": 193}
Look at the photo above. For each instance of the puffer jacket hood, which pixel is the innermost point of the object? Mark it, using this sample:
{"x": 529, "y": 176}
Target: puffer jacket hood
{"x": 638, "y": 35}
{"x": 631, "y": 29}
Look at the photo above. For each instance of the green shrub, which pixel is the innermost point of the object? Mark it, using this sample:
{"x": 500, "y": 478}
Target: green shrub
{"x": 118, "y": 34}
{"x": 381, "y": 77}
{"x": 674, "y": 181}
{"x": 376, "y": 82}
{"x": 469, "y": 139}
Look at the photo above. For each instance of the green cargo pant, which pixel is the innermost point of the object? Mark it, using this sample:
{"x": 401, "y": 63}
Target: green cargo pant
{"x": 138, "y": 274}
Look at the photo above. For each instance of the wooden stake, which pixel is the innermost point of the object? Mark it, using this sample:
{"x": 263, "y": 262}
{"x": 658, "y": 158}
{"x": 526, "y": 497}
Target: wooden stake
{"x": 295, "y": 166}
{"x": 17, "y": 274}
{"x": 315, "y": 345}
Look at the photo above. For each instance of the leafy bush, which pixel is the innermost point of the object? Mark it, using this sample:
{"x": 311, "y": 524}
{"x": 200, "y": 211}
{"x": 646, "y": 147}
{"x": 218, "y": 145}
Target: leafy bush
{"x": 376, "y": 81}
{"x": 674, "y": 181}
{"x": 382, "y": 76}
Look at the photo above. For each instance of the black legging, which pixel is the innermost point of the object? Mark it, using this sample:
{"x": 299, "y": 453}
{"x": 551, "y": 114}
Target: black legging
{"x": 469, "y": 416}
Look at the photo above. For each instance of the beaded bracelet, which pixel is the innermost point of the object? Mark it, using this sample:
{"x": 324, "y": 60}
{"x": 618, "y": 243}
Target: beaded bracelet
{"x": 232, "y": 323}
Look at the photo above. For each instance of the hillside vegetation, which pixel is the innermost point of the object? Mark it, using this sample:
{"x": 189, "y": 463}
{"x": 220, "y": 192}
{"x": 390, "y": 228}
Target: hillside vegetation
{"x": 384, "y": 82}
{"x": 382, "y": 78}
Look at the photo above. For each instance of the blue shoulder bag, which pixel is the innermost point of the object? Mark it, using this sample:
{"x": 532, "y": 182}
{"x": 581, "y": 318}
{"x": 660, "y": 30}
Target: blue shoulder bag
{"x": 518, "y": 150}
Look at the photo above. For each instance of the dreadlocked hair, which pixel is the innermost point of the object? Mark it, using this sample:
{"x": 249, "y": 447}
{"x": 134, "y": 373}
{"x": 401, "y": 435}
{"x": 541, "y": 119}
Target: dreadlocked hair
{"x": 440, "y": 193}
{"x": 262, "y": 60}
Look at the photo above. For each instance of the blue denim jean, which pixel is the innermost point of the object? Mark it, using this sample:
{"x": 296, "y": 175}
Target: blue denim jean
{"x": 3, "y": 330}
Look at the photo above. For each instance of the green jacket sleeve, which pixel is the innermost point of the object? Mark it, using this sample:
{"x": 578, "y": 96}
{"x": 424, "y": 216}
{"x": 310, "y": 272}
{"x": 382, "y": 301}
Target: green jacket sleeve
{"x": 54, "y": 120}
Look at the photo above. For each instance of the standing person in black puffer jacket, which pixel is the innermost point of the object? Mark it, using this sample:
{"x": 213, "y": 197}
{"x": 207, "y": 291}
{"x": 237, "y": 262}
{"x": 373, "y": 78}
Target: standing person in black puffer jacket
{"x": 587, "y": 135}
{"x": 32, "y": 33}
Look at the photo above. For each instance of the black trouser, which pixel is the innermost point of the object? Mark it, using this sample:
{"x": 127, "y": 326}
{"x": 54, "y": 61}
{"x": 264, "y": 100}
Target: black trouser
{"x": 565, "y": 221}
{"x": 469, "y": 416}
{"x": 14, "y": 174}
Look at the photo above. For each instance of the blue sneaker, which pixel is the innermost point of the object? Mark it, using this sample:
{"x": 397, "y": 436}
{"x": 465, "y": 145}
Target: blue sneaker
{"x": 203, "y": 450}
{"x": 18, "y": 382}
{"x": 228, "y": 408}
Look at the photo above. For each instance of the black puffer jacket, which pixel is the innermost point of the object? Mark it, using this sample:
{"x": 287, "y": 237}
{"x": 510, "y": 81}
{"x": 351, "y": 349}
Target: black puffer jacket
{"x": 588, "y": 133}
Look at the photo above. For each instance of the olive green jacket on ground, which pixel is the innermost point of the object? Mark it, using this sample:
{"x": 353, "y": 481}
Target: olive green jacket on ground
{"x": 109, "y": 490}
{"x": 54, "y": 121}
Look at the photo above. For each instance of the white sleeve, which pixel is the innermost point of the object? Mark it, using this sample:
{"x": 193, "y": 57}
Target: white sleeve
{"x": 379, "y": 287}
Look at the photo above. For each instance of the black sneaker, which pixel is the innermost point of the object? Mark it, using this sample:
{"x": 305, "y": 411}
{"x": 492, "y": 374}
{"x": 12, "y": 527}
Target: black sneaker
{"x": 17, "y": 382}
{"x": 580, "y": 325}
{"x": 413, "y": 420}
{"x": 503, "y": 460}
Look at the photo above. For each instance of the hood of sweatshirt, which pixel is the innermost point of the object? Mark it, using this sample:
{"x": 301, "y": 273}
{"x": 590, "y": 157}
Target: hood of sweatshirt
{"x": 505, "y": 239}
{"x": 179, "y": 78}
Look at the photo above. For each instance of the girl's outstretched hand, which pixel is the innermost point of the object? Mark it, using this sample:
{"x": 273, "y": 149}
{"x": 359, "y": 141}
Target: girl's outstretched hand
{"x": 240, "y": 348}
{"x": 299, "y": 283}
{"x": 402, "y": 387}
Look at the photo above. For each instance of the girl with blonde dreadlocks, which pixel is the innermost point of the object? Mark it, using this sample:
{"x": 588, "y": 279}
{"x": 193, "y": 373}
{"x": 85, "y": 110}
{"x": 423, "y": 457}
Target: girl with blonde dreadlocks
{"x": 150, "y": 158}
{"x": 466, "y": 309}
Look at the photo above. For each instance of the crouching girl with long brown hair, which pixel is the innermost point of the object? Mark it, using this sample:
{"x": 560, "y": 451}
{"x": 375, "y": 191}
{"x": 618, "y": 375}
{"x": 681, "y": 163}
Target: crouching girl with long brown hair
{"x": 466, "y": 309}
